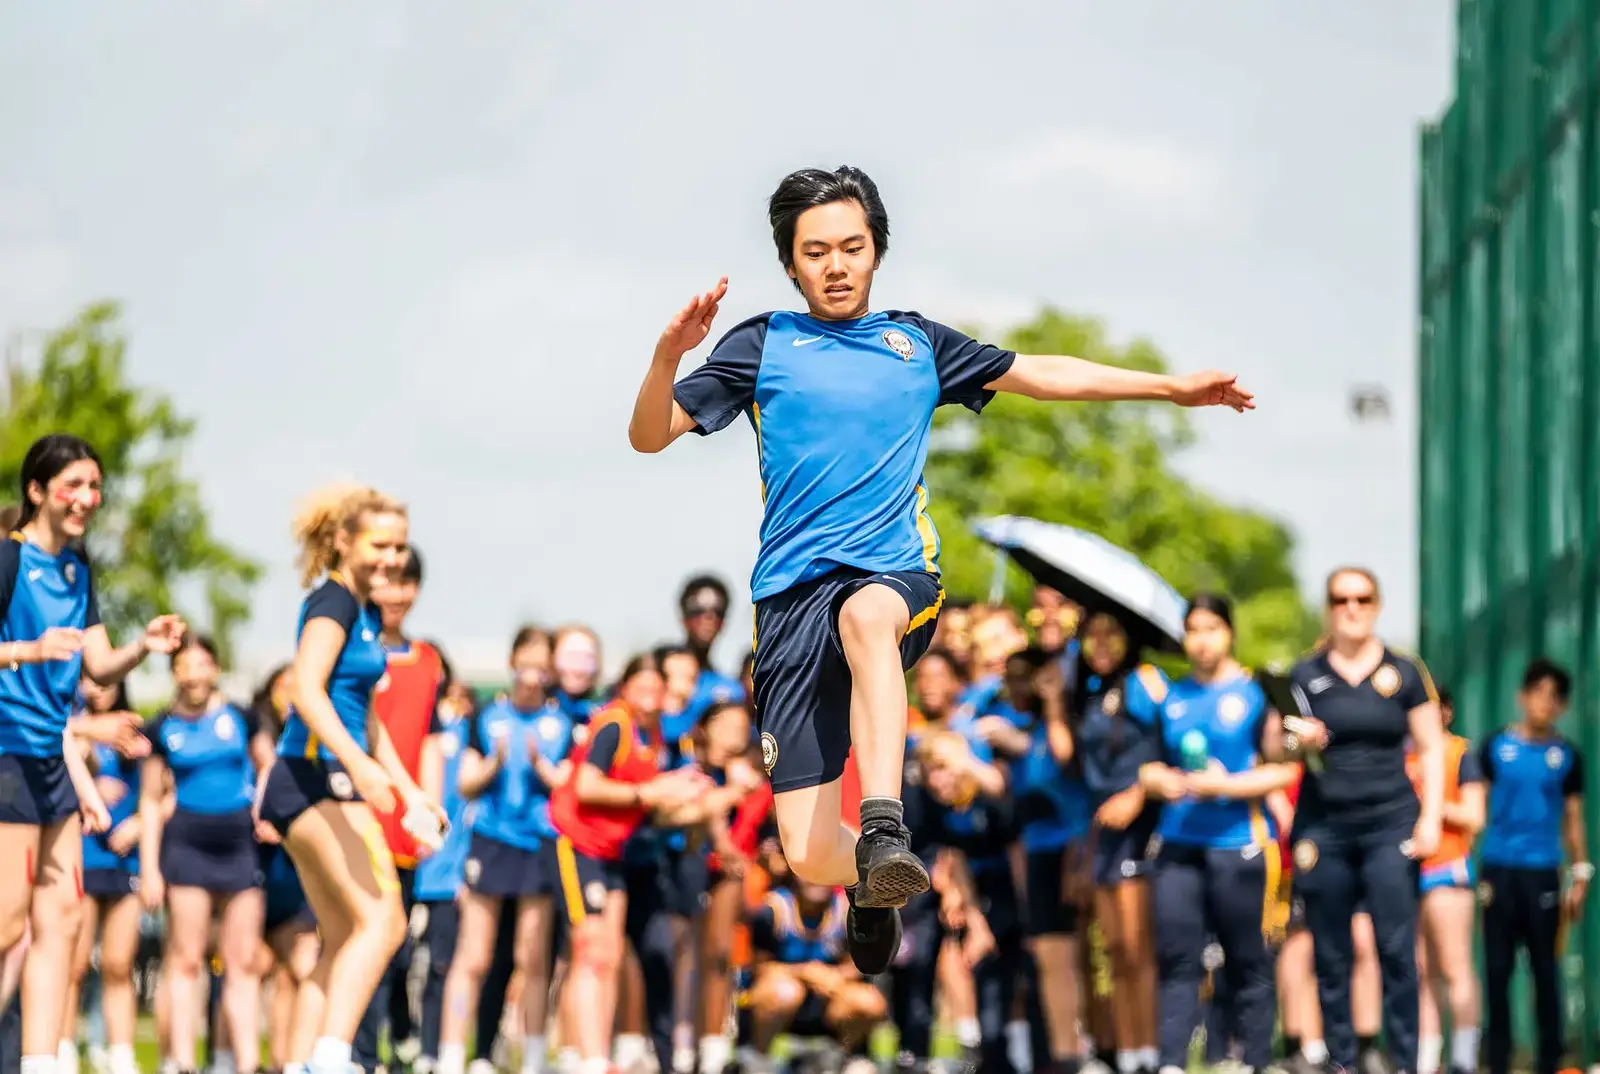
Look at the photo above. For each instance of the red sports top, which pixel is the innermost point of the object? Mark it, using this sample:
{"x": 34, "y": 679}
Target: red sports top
{"x": 600, "y": 831}
{"x": 406, "y": 700}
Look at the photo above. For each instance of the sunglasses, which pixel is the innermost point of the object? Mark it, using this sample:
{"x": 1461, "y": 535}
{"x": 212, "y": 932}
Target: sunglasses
{"x": 694, "y": 611}
{"x": 1365, "y": 600}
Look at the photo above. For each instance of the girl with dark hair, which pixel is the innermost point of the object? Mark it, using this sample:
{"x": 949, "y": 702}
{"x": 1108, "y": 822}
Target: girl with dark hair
{"x": 846, "y": 584}
{"x": 1112, "y": 723}
{"x": 201, "y": 862}
{"x": 1216, "y": 846}
{"x": 615, "y": 784}
{"x": 111, "y": 908}
{"x": 335, "y": 758}
{"x": 50, "y": 637}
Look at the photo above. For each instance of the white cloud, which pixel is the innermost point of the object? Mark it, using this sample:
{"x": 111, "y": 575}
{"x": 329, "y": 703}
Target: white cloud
{"x": 1129, "y": 173}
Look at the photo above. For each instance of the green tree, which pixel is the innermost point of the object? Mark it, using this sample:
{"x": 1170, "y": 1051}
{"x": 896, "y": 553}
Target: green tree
{"x": 152, "y": 538}
{"x": 1106, "y": 469}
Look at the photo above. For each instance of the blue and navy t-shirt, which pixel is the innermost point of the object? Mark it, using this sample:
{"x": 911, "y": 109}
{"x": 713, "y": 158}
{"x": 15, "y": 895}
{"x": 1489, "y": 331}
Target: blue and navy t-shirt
{"x": 1530, "y": 781}
{"x": 842, "y": 411}
{"x": 209, "y": 757}
{"x": 440, "y": 875}
{"x": 361, "y": 664}
{"x": 711, "y": 688}
{"x": 1052, "y": 804}
{"x": 118, "y": 780}
{"x": 1222, "y": 722}
{"x": 779, "y": 930}
{"x": 515, "y": 807}
{"x": 1117, "y": 734}
{"x": 40, "y": 591}
{"x": 982, "y": 830}
{"x": 578, "y": 709}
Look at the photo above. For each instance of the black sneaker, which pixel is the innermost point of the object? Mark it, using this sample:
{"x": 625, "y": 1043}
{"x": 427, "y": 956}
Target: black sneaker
{"x": 890, "y": 874}
{"x": 874, "y": 936}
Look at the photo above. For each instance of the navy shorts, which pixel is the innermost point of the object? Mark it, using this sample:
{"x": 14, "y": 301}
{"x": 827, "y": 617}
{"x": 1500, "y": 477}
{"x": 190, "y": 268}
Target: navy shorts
{"x": 35, "y": 790}
{"x": 285, "y": 898}
{"x": 295, "y": 784}
{"x": 501, "y": 871}
{"x": 109, "y": 883}
{"x": 215, "y": 852}
{"x": 1126, "y": 854}
{"x": 584, "y": 881}
{"x": 1049, "y": 913}
{"x": 689, "y": 879}
{"x": 802, "y": 682}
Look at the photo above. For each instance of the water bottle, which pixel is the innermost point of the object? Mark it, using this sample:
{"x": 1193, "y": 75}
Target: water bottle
{"x": 1194, "y": 750}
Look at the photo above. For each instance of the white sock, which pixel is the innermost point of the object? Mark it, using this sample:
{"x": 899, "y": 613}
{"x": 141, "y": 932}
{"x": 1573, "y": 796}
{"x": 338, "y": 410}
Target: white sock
{"x": 295, "y": 1068}
{"x": 1315, "y": 1051}
{"x": 1464, "y": 1048}
{"x": 1149, "y": 1058}
{"x": 534, "y": 1054}
{"x": 39, "y": 1064}
{"x": 330, "y": 1055}
{"x": 593, "y": 1066}
{"x": 452, "y": 1059}
{"x": 1019, "y": 1046}
{"x": 170, "y": 1066}
{"x": 224, "y": 1063}
{"x": 1172, "y": 1070}
{"x": 121, "y": 1059}
{"x": 568, "y": 1060}
{"x": 715, "y": 1052}
{"x": 629, "y": 1050}
{"x": 1127, "y": 1061}
{"x": 67, "y": 1057}
{"x": 968, "y": 1033}
{"x": 1429, "y": 1049}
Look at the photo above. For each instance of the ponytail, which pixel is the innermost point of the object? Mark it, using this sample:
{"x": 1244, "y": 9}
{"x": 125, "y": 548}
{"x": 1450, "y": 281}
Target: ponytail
{"x": 326, "y": 513}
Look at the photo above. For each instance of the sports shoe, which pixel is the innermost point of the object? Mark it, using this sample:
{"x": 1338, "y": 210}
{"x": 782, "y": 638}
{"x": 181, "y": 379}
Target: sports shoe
{"x": 874, "y": 934}
{"x": 889, "y": 873}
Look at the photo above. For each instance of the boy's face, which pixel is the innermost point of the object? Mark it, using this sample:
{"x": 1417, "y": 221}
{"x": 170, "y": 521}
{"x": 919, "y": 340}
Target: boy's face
{"x": 1541, "y": 704}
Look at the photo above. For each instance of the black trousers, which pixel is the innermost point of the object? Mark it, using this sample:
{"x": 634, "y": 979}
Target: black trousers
{"x": 1523, "y": 909}
{"x": 11, "y": 1036}
{"x": 439, "y": 937}
{"x": 915, "y": 978}
{"x": 497, "y": 982}
{"x": 996, "y": 978}
{"x": 389, "y": 1002}
{"x": 1198, "y": 893}
{"x": 651, "y": 922}
{"x": 1337, "y": 867}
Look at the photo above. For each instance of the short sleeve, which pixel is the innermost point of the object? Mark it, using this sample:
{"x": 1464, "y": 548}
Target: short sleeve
{"x": 152, "y": 733}
{"x": 91, "y": 605}
{"x": 725, "y": 385}
{"x": 764, "y": 930}
{"x": 1572, "y": 786}
{"x": 965, "y": 366}
{"x": 1486, "y": 759}
{"x": 1142, "y": 693}
{"x": 1416, "y": 685}
{"x": 604, "y": 744}
{"x": 10, "y": 567}
{"x": 1470, "y": 770}
{"x": 435, "y": 722}
{"x": 475, "y": 740}
{"x": 251, "y": 720}
{"x": 330, "y": 600}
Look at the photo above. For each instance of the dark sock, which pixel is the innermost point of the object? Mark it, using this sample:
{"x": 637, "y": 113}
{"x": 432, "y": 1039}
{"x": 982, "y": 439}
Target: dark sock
{"x": 1291, "y": 1046}
{"x": 1366, "y": 1044}
{"x": 882, "y": 812}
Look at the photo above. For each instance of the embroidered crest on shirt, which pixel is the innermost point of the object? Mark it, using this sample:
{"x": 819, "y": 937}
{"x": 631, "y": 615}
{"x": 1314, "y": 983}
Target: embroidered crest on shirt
{"x": 1386, "y": 680}
{"x": 1231, "y": 709}
{"x": 900, "y": 343}
{"x": 769, "y": 752}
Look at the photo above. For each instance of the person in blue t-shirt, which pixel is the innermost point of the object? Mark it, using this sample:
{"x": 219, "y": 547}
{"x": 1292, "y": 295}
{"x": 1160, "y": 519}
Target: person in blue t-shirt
{"x": 1027, "y": 723}
{"x": 1535, "y": 821}
{"x": 1111, "y": 713}
{"x": 441, "y": 877}
{"x": 1216, "y": 845}
{"x": 111, "y": 907}
{"x": 334, "y": 758}
{"x": 846, "y": 583}
{"x": 577, "y": 672}
{"x": 514, "y": 748}
{"x": 51, "y": 637}
{"x": 200, "y": 863}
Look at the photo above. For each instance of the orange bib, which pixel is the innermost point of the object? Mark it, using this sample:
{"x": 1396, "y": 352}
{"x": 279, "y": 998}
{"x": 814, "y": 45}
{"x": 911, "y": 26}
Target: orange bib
{"x": 1453, "y": 845}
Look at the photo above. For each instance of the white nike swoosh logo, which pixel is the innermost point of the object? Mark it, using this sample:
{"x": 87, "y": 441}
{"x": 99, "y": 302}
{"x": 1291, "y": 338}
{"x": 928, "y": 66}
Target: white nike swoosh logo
{"x": 35, "y": 574}
{"x": 803, "y": 340}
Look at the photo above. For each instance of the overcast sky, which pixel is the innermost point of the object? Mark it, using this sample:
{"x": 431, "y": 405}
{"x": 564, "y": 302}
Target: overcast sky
{"x": 430, "y": 246}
